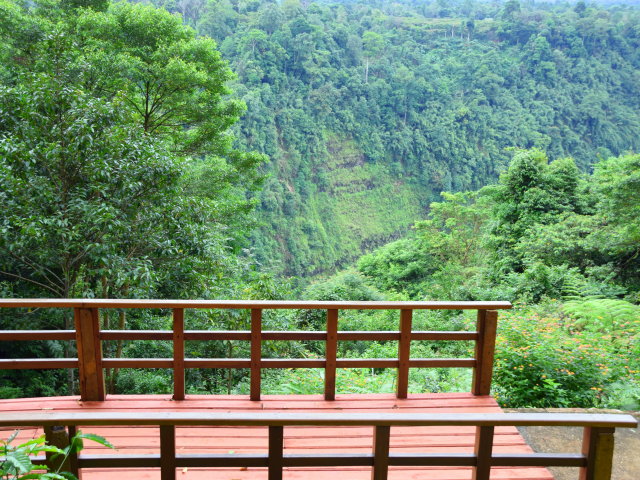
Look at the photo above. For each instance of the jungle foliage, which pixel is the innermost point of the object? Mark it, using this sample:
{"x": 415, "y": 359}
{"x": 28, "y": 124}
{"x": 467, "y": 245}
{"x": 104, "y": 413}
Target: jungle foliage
{"x": 550, "y": 239}
{"x": 118, "y": 173}
{"x": 370, "y": 109}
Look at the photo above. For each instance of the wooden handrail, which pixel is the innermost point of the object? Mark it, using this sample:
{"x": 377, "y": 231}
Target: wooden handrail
{"x": 288, "y": 419}
{"x": 246, "y": 304}
{"x": 594, "y": 461}
{"x": 89, "y": 338}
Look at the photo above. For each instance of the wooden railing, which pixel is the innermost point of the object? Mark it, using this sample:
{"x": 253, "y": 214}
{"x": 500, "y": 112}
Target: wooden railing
{"x": 594, "y": 461}
{"x": 89, "y": 337}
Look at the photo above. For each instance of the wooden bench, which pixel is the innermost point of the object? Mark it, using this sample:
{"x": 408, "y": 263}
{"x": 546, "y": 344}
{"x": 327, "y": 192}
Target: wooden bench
{"x": 594, "y": 461}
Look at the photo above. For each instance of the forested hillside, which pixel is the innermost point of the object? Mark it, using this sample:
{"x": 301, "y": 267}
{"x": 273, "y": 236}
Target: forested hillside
{"x": 563, "y": 246}
{"x": 369, "y": 109}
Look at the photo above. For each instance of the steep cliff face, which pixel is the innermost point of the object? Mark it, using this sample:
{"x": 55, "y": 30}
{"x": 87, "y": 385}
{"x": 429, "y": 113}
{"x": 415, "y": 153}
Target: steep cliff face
{"x": 352, "y": 206}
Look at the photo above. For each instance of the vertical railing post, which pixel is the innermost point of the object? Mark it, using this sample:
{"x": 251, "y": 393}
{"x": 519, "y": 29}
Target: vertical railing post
{"x": 597, "y": 447}
{"x": 256, "y": 352}
{"x": 276, "y": 452}
{"x": 178, "y": 354}
{"x": 167, "y": 452}
{"x": 89, "y": 348}
{"x": 331, "y": 352}
{"x": 487, "y": 324}
{"x": 404, "y": 353}
{"x": 483, "y": 451}
{"x": 381, "y": 441}
{"x": 56, "y": 436}
{"x": 73, "y": 454}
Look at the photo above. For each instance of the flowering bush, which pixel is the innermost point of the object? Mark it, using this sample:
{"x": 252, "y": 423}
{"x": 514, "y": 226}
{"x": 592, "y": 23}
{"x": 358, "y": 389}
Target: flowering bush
{"x": 547, "y": 360}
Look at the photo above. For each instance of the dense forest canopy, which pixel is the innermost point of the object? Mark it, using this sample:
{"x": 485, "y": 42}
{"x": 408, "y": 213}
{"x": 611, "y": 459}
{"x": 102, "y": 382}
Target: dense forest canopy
{"x": 118, "y": 173}
{"x": 369, "y": 109}
{"x": 240, "y": 148}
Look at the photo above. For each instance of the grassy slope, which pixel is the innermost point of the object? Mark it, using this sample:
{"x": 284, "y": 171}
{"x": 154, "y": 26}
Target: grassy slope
{"x": 370, "y": 204}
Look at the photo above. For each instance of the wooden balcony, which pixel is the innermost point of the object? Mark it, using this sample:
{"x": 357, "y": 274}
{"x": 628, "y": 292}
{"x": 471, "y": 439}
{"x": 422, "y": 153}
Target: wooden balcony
{"x": 379, "y": 436}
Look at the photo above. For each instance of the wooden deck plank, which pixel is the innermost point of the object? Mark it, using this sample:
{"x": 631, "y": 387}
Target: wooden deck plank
{"x": 297, "y": 440}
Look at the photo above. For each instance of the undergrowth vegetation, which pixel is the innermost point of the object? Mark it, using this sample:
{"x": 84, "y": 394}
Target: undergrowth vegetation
{"x": 546, "y": 356}
{"x": 16, "y": 461}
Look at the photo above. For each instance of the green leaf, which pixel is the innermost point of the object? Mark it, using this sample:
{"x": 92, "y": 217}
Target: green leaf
{"x": 20, "y": 461}
{"x": 13, "y": 436}
{"x": 95, "y": 438}
{"x": 69, "y": 475}
{"x": 50, "y": 448}
{"x": 47, "y": 476}
{"x": 34, "y": 441}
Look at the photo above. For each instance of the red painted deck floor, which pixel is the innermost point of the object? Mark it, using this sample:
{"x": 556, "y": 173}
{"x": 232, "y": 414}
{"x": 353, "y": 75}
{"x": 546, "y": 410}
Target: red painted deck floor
{"x": 141, "y": 440}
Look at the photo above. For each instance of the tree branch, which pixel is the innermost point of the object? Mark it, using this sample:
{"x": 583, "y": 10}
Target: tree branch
{"x": 20, "y": 277}
{"x": 37, "y": 268}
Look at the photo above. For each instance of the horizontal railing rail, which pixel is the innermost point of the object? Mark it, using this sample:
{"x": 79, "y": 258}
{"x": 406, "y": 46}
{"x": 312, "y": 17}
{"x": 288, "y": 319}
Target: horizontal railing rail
{"x": 89, "y": 336}
{"x": 244, "y": 304}
{"x": 594, "y": 460}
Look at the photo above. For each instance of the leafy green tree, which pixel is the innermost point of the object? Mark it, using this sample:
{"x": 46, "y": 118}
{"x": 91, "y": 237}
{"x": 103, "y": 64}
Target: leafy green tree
{"x": 566, "y": 241}
{"x": 511, "y": 8}
{"x": 97, "y": 5}
{"x": 117, "y": 168}
{"x": 617, "y": 180}
{"x": 455, "y": 228}
{"x": 400, "y": 266}
{"x": 270, "y": 17}
{"x": 173, "y": 83}
{"x": 373, "y": 46}
{"x": 108, "y": 212}
{"x": 92, "y": 206}
{"x": 218, "y": 20}
{"x": 530, "y": 193}
{"x": 540, "y": 59}
{"x": 580, "y": 8}
{"x": 470, "y": 25}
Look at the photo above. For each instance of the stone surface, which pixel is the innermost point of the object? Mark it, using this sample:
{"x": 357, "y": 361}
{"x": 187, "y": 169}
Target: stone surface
{"x": 626, "y": 457}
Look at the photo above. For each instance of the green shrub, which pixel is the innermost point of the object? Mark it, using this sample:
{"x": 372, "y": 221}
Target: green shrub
{"x": 16, "y": 463}
{"x": 540, "y": 364}
{"x": 552, "y": 360}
